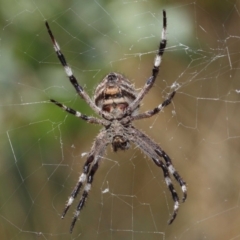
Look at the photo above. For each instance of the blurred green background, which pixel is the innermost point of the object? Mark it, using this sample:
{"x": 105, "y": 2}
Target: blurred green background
{"x": 43, "y": 149}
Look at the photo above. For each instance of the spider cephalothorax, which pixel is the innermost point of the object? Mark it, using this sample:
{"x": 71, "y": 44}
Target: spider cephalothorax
{"x": 117, "y": 102}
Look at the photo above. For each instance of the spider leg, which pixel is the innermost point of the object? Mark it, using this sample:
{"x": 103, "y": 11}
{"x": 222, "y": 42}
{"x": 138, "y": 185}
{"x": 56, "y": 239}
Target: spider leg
{"x": 85, "y": 194}
{"x": 155, "y": 147}
{"x": 151, "y": 149}
{"x": 93, "y": 158}
{"x": 173, "y": 171}
{"x": 156, "y": 110}
{"x": 79, "y": 184}
{"x": 157, "y": 62}
{"x": 72, "y": 78}
{"x": 80, "y": 115}
{"x": 171, "y": 188}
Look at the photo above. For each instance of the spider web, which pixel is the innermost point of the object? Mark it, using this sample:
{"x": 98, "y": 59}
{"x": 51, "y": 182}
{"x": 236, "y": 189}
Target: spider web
{"x": 43, "y": 149}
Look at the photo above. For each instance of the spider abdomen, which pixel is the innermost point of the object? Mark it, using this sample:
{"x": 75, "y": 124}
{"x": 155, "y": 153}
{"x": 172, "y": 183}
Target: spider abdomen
{"x": 114, "y": 94}
{"x": 115, "y": 108}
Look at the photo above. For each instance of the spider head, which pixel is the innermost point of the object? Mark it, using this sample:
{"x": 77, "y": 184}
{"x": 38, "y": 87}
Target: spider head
{"x": 119, "y": 142}
{"x": 114, "y": 94}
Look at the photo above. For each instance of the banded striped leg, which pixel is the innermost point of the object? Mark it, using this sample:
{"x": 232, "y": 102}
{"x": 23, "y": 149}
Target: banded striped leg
{"x": 148, "y": 146}
{"x": 156, "y": 110}
{"x": 157, "y": 62}
{"x": 79, "y": 184}
{"x": 86, "y": 190}
{"x": 96, "y": 152}
{"x": 173, "y": 171}
{"x": 168, "y": 161}
{"x": 72, "y": 78}
{"x": 80, "y": 115}
{"x": 168, "y": 181}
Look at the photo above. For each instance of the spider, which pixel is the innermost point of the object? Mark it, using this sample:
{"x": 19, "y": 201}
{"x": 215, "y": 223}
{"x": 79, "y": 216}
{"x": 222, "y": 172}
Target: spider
{"x": 117, "y": 102}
